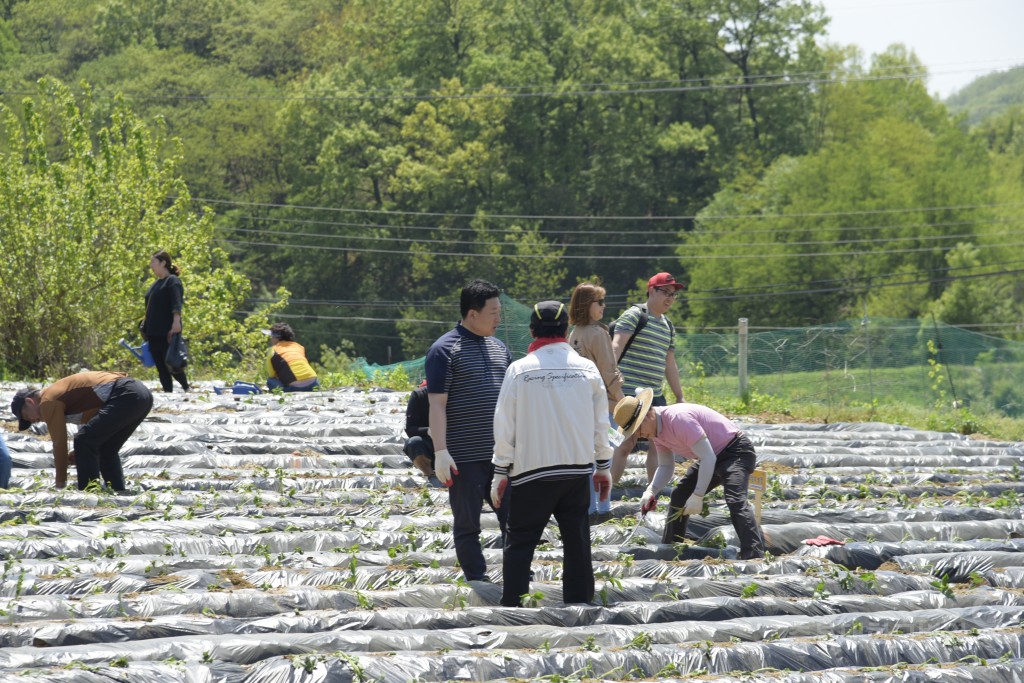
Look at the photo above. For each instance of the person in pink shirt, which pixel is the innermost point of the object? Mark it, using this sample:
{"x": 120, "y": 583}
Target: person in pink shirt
{"x": 725, "y": 457}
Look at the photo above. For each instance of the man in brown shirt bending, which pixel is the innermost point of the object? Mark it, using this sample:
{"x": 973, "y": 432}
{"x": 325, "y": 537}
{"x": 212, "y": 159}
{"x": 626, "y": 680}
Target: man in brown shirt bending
{"x": 107, "y": 406}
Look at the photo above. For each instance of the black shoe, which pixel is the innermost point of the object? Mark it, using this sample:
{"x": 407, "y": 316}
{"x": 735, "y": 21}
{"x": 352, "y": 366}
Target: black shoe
{"x": 600, "y": 517}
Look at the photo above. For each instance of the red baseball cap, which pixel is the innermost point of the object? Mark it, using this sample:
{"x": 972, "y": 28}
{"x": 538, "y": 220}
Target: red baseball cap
{"x": 665, "y": 280}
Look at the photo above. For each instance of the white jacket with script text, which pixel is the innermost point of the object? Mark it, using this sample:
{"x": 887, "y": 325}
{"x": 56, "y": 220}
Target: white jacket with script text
{"x": 551, "y": 420}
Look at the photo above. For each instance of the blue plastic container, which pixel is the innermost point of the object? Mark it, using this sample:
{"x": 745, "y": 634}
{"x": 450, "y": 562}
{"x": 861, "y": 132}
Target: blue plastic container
{"x": 140, "y": 352}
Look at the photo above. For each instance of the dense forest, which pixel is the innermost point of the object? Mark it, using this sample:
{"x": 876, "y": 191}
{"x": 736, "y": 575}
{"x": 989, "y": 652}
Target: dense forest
{"x": 359, "y": 160}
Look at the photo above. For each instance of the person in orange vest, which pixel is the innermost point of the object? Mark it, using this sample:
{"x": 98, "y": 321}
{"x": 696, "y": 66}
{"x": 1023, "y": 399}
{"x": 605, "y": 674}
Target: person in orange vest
{"x": 287, "y": 367}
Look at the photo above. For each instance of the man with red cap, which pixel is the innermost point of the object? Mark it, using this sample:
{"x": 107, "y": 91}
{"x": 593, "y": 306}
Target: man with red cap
{"x": 644, "y": 344}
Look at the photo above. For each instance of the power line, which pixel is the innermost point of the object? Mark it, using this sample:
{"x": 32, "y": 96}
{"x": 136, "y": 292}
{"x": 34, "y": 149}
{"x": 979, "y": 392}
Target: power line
{"x": 607, "y": 257}
{"x": 618, "y": 245}
{"x": 439, "y": 228}
{"x": 501, "y": 92}
{"x": 615, "y": 298}
{"x": 696, "y": 297}
{"x": 851, "y": 281}
{"x": 847, "y": 282}
{"x": 363, "y": 319}
{"x": 706, "y": 217}
{"x": 582, "y": 231}
{"x": 840, "y": 289}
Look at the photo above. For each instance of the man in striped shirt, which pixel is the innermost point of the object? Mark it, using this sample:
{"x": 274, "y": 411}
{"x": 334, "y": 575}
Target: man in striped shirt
{"x": 651, "y": 358}
{"x": 464, "y": 369}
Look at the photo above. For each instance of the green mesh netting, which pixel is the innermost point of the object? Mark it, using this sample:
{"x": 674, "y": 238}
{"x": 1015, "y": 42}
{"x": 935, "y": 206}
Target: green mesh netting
{"x": 514, "y": 331}
{"x": 881, "y": 360}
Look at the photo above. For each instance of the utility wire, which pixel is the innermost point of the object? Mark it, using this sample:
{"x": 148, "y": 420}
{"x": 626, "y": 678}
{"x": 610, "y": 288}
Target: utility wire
{"x": 827, "y": 290}
{"x": 568, "y": 217}
{"x": 694, "y": 296}
{"x": 618, "y": 245}
{"x": 674, "y": 231}
{"x": 605, "y": 257}
{"x": 496, "y": 92}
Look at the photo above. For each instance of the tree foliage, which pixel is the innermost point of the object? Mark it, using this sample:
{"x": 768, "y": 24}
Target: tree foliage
{"x": 890, "y": 193}
{"x": 373, "y": 155}
{"x": 80, "y": 215}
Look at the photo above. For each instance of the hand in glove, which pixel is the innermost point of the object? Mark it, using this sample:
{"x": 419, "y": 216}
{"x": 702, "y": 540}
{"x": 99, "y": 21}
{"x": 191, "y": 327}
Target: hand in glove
{"x": 648, "y": 501}
{"x": 498, "y": 485}
{"x": 444, "y": 467}
{"x": 694, "y": 505}
{"x": 603, "y": 484}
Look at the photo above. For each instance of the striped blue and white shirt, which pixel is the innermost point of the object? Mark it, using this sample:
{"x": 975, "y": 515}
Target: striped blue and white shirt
{"x": 643, "y": 365}
{"x": 470, "y": 369}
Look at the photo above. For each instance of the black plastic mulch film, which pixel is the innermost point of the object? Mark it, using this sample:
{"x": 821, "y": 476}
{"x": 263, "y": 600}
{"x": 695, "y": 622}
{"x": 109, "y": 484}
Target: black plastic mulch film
{"x": 270, "y": 541}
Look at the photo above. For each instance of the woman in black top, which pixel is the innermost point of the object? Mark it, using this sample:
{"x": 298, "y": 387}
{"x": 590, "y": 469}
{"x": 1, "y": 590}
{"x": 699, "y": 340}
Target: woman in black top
{"x": 163, "y": 316}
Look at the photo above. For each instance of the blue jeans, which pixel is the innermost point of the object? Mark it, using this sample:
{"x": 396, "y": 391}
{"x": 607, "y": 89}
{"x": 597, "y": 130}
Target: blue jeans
{"x": 275, "y": 383}
{"x": 5, "y": 464}
{"x": 470, "y": 488}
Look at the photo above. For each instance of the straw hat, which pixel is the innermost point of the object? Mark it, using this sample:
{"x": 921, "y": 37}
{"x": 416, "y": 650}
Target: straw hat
{"x": 631, "y": 411}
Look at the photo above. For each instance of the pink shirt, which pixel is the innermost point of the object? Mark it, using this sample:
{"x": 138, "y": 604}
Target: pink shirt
{"x": 684, "y": 424}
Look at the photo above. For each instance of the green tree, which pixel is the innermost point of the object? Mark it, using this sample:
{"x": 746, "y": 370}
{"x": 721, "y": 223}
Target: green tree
{"x": 230, "y": 150}
{"x": 884, "y": 199}
{"x": 431, "y": 134}
{"x": 81, "y": 214}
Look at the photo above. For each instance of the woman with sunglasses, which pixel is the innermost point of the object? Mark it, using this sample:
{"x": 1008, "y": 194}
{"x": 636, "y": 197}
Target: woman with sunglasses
{"x": 590, "y": 339}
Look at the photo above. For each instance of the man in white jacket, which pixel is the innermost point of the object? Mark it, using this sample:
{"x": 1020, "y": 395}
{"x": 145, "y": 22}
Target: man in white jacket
{"x": 550, "y": 430}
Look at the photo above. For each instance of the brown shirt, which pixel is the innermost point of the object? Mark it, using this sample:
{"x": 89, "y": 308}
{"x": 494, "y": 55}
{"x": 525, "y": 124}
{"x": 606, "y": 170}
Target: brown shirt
{"x": 74, "y": 399}
{"x": 594, "y": 343}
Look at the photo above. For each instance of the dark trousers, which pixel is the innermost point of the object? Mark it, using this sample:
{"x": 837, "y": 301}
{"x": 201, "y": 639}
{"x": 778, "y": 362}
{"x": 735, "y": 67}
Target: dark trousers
{"x": 732, "y": 472}
{"x": 275, "y": 383}
{"x": 470, "y": 488}
{"x": 532, "y": 505}
{"x": 416, "y": 446}
{"x": 98, "y": 442}
{"x": 158, "y": 347}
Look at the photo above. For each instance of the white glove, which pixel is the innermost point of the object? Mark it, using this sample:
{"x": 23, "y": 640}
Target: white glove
{"x": 648, "y": 501}
{"x": 498, "y": 485}
{"x": 694, "y": 505}
{"x": 444, "y": 467}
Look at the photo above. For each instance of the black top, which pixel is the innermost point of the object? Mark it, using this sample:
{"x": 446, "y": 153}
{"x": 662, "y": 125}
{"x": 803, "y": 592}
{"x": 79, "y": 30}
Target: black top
{"x": 417, "y": 413}
{"x": 163, "y": 300}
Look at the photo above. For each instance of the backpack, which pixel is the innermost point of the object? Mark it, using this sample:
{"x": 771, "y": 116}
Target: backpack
{"x": 640, "y": 324}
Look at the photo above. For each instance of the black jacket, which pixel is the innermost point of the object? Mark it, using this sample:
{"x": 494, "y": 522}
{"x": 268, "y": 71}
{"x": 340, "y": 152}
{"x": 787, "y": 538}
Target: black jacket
{"x": 417, "y": 413}
{"x": 163, "y": 300}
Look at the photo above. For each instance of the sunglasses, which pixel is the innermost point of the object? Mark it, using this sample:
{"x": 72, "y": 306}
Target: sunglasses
{"x": 599, "y": 302}
{"x": 670, "y": 293}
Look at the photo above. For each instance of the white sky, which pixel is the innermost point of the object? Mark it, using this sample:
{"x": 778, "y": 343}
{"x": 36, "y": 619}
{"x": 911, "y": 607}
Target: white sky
{"x": 957, "y": 40}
